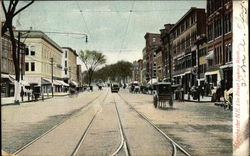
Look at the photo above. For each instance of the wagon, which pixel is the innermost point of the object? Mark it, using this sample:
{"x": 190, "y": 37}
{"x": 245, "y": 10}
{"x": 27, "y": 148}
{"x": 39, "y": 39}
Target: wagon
{"x": 163, "y": 94}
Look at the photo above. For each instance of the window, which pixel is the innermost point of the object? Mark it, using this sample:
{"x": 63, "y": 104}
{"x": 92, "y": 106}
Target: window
{"x": 66, "y": 72}
{"x": 66, "y": 54}
{"x": 32, "y": 50}
{"x": 65, "y": 63}
{"x": 154, "y": 39}
{"x": 26, "y": 66}
{"x": 26, "y": 51}
{"x": 32, "y": 66}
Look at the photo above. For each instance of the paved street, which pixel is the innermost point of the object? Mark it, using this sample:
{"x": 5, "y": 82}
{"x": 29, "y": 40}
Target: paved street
{"x": 88, "y": 124}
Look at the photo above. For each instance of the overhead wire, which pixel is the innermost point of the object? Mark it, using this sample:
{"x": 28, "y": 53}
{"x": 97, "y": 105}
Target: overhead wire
{"x": 126, "y": 32}
{"x": 84, "y": 21}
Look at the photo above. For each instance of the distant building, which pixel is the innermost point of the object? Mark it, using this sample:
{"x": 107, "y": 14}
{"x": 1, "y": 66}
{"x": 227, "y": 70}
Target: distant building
{"x": 79, "y": 74}
{"x": 153, "y": 41}
{"x": 144, "y": 66}
{"x": 7, "y": 66}
{"x": 135, "y": 71}
{"x": 140, "y": 69}
{"x": 159, "y": 64}
{"x": 219, "y": 43}
{"x": 183, "y": 36}
{"x": 70, "y": 66}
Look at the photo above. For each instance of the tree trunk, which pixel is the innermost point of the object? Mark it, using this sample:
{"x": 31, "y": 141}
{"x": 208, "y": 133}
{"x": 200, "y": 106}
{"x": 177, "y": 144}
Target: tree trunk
{"x": 16, "y": 61}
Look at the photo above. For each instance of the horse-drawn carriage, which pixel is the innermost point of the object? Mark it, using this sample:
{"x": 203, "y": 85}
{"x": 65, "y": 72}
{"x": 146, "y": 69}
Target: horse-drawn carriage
{"x": 163, "y": 93}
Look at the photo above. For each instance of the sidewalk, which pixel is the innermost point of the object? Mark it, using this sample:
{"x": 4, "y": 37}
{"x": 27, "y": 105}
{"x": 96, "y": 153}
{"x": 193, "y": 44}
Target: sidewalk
{"x": 10, "y": 100}
{"x": 204, "y": 99}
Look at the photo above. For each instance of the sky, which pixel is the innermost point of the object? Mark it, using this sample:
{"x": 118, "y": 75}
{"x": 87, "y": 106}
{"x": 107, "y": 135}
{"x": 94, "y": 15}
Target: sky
{"x": 115, "y": 28}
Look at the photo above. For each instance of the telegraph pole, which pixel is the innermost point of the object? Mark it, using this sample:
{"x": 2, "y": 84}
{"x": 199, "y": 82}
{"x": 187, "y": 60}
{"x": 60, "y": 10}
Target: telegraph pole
{"x": 52, "y": 61}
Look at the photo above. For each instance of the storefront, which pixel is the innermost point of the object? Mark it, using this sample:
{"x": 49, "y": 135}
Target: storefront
{"x": 227, "y": 71}
{"x": 7, "y": 85}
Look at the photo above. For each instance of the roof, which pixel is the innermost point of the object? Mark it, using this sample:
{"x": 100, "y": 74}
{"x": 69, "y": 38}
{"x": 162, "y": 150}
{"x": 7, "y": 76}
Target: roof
{"x": 39, "y": 34}
{"x": 69, "y": 48}
{"x": 184, "y": 16}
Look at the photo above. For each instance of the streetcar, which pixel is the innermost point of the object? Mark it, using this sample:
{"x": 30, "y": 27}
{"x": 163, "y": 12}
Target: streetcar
{"x": 163, "y": 94}
{"x": 114, "y": 87}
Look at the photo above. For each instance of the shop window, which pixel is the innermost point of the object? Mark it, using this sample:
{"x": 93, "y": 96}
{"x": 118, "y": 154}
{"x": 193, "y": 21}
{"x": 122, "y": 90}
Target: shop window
{"x": 33, "y": 66}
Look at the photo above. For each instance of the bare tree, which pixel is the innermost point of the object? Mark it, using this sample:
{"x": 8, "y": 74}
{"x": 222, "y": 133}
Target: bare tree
{"x": 10, "y": 11}
{"x": 91, "y": 60}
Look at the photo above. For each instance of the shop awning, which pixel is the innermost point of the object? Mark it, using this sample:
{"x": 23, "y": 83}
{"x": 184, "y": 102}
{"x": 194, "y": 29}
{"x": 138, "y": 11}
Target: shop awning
{"x": 46, "y": 81}
{"x": 212, "y": 72}
{"x": 32, "y": 80}
{"x": 210, "y": 55}
{"x": 57, "y": 83}
{"x": 24, "y": 83}
{"x": 74, "y": 83}
{"x": 226, "y": 66}
{"x": 62, "y": 83}
{"x": 6, "y": 76}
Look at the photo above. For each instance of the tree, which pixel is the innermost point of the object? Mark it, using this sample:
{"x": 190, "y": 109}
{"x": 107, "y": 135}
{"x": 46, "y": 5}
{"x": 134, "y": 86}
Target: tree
{"x": 91, "y": 60}
{"x": 114, "y": 72}
{"x": 10, "y": 13}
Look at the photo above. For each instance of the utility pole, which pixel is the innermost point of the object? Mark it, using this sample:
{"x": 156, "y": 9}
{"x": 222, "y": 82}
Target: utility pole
{"x": 52, "y": 61}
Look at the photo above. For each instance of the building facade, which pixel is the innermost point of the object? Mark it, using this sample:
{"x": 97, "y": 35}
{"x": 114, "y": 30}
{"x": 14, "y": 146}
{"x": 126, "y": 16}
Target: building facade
{"x": 166, "y": 52}
{"x": 7, "y": 66}
{"x": 69, "y": 64}
{"x": 144, "y": 66}
{"x": 183, "y": 36}
{"x": 219, "y": 43}
{"x": 153, "y": 41}
{"x": 159, "y": 64}
{"x": 42, "y": 61}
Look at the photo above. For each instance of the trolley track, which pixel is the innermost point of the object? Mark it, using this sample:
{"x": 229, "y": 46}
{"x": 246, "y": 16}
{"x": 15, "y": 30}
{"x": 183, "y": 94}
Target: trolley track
{"x": 74, "y": 153}
{"x": 54, "y": 127}
{"x": 176, "y": 146}
{"x": 123, "y": 143}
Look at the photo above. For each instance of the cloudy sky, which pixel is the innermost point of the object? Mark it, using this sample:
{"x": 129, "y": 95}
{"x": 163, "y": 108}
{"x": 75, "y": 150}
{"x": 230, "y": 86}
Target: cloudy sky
{"x": 116, "y": 28}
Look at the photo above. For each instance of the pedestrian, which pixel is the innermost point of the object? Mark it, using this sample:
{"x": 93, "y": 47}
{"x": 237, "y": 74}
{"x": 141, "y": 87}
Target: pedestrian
{"x": 202, "y": 91}
{"x": 22, "y": 93}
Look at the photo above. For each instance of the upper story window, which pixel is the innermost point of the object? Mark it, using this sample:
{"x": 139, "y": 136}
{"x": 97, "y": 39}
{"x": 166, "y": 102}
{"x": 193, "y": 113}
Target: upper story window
{"x": 26, "y": 51}
{"x": 154, "y": 39}
{"x": 33, "y": 66}
{"x": 32, "y": 50}
{"x": 26, "y": 66}
{"x": 66, "y": 54}
{"x": 66, "y": 64}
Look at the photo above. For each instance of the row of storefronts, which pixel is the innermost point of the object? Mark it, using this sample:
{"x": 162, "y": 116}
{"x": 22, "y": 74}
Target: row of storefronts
{"x": 28, "y": 84}
{"x": 195, "y": 51}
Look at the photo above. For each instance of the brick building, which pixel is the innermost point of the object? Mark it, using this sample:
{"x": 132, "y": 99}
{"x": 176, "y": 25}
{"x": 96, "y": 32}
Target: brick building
{"x": 219, "y": 43}
{"x": 153, "y": 41}
{"x": 166, "y": 56}
{"x": 183, "y": 36}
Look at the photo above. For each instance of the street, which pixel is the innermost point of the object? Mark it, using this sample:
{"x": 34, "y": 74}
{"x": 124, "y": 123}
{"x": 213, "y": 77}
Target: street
{"x": 105, "y": 123}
